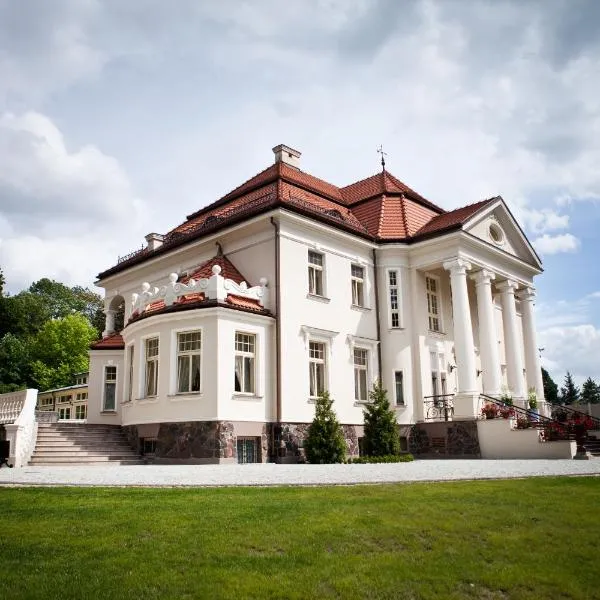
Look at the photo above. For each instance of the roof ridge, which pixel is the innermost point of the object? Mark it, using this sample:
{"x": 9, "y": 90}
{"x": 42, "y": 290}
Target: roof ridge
{"x": 403, "y": 212}
{"x": 381, "y": 214}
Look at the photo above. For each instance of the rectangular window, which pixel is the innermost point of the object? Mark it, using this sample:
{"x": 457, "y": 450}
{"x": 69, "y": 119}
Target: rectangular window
{"x": 361, "y": 363}
{"x": 151, "y": 387}
{"x": 64, "y": 413}
{"x": 394, "y": 299}
{"x": 315, "y": 273}
{"x": 358, "y": 285}
{"x": 399, "y": 385}
{"x": 110, "y": 387}
{"x": 245, "y": 349}
{"x": 247, "y": 450}
{"x": 78, "y": 398}
{"x": 84, "y": 396}
{"x": 433, "y": 303}
{"x": 189, "y": 345}
{"x": 130, "y": 373}
{"x": 81, "y": 412}
{"x": 316, "y": 368}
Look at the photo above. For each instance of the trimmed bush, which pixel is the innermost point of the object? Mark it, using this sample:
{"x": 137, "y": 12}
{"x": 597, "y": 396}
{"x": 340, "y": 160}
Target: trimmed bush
{"x": 381, "y": 427}
{"x": 325, "y": 443}
{"x": 390, "y": 458}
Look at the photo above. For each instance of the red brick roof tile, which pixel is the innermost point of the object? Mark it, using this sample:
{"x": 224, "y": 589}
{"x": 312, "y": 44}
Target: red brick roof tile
{"x": 114, "y": 341}
{"x": 454, "y": 218}
{"x": 204, "y": 271}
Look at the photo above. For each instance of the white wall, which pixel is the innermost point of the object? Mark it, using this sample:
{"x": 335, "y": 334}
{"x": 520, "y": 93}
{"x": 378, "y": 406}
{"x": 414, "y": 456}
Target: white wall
{"x": 498, "y": 440}
{"x": 333, "y": 314}
{"x": 215, "y": 401}
{"x": 99, "y": 359}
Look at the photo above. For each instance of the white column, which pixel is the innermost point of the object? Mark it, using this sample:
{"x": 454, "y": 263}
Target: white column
{"x": 467, "y": 393}
{"x": 532, "y": 360}
{"x": 512, "y": 346}
{"x": 488, "y": 340}
{"x": 110, "y": 322}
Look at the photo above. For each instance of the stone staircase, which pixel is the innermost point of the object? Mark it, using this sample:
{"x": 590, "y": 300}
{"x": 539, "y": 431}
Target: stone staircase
{"x": 77, "y": 444}
{"x": 592, "y": 443}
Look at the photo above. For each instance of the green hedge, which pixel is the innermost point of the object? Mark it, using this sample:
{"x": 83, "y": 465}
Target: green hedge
{"x": 390, "y": 458}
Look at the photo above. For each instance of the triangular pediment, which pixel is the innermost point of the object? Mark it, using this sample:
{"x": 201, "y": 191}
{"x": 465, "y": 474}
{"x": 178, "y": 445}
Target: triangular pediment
{"x": 496, "y": 226}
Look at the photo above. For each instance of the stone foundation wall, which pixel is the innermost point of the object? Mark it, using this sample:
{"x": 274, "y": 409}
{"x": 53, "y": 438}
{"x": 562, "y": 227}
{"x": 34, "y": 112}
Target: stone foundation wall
{"x": 197, "y": 441}
{"x": 288, "y": 441}
{"x": 444, "y": 438}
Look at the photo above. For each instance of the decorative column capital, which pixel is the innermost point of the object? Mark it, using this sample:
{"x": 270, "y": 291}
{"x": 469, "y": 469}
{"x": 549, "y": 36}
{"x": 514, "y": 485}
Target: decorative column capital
{"x": 527, "y": 294}
{"x": 509, "y": 286}
{"x": 457, "y": 266}
{"x": 483, "y": 277}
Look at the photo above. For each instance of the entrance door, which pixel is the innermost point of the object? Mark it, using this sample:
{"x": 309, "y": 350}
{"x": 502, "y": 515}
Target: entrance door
{"x": 246, "y": 450}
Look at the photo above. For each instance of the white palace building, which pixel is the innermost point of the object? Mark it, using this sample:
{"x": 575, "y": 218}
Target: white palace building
{"x": 238, "y": 318}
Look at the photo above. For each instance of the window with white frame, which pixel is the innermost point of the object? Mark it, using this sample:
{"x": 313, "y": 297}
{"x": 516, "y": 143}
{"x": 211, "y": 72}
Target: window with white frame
{"x": 399, "y": 387}
{"x": 315, "y": 273}
{"x": 81, "y": 411}
{"x": 110, "y": 387}
{"x": 189, "y": 345}
{"x": 357, "y": 274}
{"x": 130, "y": 375}
{"x": 433, "y": 303}
{"x": 151, "y": 375}
{"x": 316, "y": 368}
{"x": 439, "y": 383}
{"x": 361, "y": 366}
{"x": 245, "y": 355}
{"x": 394, "y": 299}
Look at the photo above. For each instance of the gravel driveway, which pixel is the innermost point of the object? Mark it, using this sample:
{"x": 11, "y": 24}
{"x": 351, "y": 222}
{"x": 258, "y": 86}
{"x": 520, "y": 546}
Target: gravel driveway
{"x": 272, "y": 474}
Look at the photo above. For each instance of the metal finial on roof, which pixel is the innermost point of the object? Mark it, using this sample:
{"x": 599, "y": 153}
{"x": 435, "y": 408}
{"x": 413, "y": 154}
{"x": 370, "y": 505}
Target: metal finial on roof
{"x": 383, "y": 155}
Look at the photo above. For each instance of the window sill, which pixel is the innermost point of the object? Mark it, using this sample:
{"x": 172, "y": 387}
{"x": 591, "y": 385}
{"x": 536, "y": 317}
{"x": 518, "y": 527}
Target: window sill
{"x": 250, "y": 397}
{"x": 438, "y": 334}
{"x": 396, "y": 329}
{"x": 108, "y": 412}
{"x": 318, "y": 298}
{"x": 400, "y": 407}
{"x": 184, "y": 396}
{"x": 360, "y": 308}
{"x": 362, "y": 402}
{"x": 147, "y": 400}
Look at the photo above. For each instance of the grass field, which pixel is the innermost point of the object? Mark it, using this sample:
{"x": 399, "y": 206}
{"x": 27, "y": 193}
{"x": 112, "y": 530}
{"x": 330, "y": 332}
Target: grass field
{"x": 534, "y": 538}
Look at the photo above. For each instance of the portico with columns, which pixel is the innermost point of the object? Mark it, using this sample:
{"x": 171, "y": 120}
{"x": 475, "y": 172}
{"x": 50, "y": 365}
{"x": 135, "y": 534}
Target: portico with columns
{"x": 491, "y": 331}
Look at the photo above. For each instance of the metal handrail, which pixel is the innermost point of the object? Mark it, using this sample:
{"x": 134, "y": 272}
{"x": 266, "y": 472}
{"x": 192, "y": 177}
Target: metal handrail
{"x": 439, "y": 407}
{"x": 580, "y": 415}
{"x": 548, "y": 428}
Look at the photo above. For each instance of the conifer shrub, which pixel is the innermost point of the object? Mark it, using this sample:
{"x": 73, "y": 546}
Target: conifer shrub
{"x": 390, "y": 458}
{"x": 325, "y": 443}
{"x": 381, "y": 429}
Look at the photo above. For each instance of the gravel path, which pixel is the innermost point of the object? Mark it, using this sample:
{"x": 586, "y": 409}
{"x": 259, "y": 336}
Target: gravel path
{"x": 272, "y": 474}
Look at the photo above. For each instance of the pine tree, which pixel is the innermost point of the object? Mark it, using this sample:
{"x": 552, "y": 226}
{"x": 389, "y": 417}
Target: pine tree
{"x": 381, "y": 429}
{"x": 2, "y": 283}
{"x": 590, "y": 392}
{"x": 550, "y": 388}
{"x": 325, "y": 441}
{"x": 569, "y": 393}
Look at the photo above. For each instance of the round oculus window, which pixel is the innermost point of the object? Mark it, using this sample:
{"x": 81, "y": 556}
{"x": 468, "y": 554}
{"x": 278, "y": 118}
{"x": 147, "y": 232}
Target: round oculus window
{"x": 496, "y": 234}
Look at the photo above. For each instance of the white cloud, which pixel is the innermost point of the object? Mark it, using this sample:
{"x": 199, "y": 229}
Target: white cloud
{"x": 574, "y": 348}
{"x": 62, "y": 214}
{"x": 541, "y": 221}
{"x": 554, "y": 244}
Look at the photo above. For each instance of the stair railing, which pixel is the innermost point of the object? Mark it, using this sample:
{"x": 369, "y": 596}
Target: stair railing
{"x": 549, "y": 429}
{"x": 17, "y": 413}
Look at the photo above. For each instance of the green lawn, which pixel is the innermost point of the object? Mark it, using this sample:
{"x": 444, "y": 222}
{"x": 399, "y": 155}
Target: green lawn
{"x": 534, "y": 538}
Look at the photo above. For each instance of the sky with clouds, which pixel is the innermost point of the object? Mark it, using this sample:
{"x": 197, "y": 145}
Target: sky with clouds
{"x": 120, "y": 118}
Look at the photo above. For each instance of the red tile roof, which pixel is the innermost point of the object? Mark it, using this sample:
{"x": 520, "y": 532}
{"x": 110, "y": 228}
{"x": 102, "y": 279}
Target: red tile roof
{"x": 114, "y": 341}
{"x": 453, "y": 219}
{"x": 380, "y": 207}
{"x": 204, "y": 271}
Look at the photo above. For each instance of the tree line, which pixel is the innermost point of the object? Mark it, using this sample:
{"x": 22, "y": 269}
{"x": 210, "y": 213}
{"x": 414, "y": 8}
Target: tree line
{"x": 569, "y": 393}
{"x": 45, "y": 334}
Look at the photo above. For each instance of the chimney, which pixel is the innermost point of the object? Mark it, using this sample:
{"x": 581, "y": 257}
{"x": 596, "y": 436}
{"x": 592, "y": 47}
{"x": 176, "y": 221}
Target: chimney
{"x": 154, "y": 240}
{"x": 287, "y": 155}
